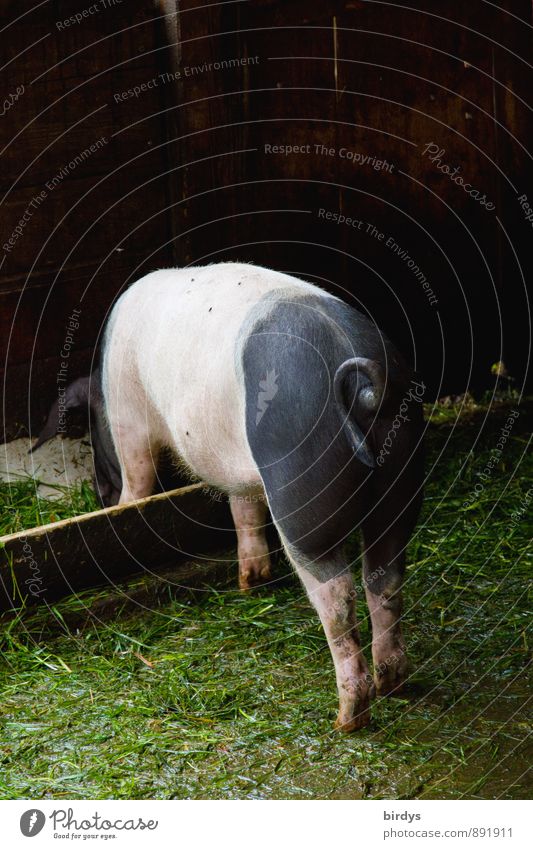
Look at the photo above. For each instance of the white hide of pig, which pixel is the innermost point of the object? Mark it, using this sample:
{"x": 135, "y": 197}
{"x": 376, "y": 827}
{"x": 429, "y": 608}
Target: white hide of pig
{"x": 172, "y": 374}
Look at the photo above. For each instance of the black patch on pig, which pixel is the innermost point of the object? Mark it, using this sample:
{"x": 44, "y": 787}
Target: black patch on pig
{"x": 318, "y": 491}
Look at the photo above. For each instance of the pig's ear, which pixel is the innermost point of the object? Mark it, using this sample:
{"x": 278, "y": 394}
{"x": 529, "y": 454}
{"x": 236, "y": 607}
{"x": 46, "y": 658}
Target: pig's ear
{"x": 76, "y": 395}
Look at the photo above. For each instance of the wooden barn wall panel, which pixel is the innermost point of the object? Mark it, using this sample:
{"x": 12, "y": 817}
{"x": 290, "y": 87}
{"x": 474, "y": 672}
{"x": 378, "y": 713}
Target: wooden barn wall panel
{"x": 94, "y": 218}
{"x": 85, "y": 219}
{"x": 512, "y": 105}
{"x": 409, "y": 78}
{"x": 184, "y": 174}
{"x": 378, "y": 81}
{"x": 210, "y": 109}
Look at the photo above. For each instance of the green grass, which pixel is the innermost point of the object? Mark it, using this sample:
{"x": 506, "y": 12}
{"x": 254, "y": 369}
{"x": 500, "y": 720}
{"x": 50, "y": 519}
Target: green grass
{"x": 222, "y": 695}
{"x": 20, "y": 508}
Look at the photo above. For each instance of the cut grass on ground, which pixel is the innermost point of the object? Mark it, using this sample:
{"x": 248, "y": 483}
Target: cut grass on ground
{"x": 20, "y": 508}
{"x": 222, "y": 695}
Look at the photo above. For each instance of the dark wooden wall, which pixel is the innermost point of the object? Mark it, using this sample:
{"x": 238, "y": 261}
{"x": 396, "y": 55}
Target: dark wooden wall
{"x": 383, "y": 80}
{"x": 184, "y": 175}
{"x": 105, "y": 222}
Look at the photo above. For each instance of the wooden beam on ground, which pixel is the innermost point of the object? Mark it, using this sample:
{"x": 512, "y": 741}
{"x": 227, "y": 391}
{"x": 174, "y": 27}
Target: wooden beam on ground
{"x": 102, "y": 548}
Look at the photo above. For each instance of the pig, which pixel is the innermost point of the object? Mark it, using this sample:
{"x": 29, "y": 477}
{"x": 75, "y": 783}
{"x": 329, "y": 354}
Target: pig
{"x": 288, "y": 400}
{"x": 85, "y": 394}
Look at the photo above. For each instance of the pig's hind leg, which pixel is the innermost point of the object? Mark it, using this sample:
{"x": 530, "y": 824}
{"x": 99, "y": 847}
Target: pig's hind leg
{"x": 249, "y": 515}
{"x": 383, "y": 570}
{"x": 330, "y": 588}
{"x": 386, "y": 530}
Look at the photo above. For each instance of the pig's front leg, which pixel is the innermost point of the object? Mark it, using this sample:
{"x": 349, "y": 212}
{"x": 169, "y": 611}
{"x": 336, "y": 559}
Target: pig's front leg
{"x": 331, "y": 590}
{"x": 138, "y": 461}
{"x": 249, "y": 515}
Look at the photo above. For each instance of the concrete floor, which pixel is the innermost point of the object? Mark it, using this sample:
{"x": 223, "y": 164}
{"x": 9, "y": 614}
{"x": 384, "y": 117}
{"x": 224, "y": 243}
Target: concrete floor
{"x": 59, "y": 462}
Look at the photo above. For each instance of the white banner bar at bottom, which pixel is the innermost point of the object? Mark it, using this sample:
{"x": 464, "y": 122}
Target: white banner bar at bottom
{"x": 266, "y": 825}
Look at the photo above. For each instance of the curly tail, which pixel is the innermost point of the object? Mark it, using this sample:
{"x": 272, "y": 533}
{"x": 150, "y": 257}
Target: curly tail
{"x": 366, "y": 397}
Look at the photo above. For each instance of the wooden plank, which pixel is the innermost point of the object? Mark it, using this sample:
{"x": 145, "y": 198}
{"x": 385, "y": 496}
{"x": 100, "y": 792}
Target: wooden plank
{"x": 208, "y": 34}
{"x": 104, "y": 547}
{"x": 280, "y": 103}
{"x": 407, "y": 74}
{"x": 426, "y": 76}
{"x": 292, "y": 104}
{"x": 513, "y": 135}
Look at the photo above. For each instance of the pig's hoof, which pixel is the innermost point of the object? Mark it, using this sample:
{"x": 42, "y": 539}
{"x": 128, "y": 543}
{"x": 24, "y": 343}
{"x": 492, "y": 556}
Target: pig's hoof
{"x": 390, "y": 687}
{"x": 357, "y": 721}
{"x": 254, "y": 574}
{"x": 390, "y": 679}
{"x": 355, "y": 715}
